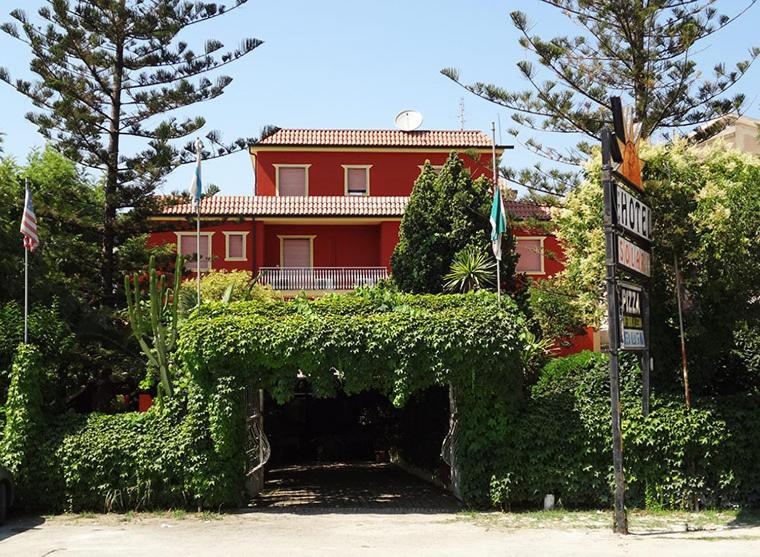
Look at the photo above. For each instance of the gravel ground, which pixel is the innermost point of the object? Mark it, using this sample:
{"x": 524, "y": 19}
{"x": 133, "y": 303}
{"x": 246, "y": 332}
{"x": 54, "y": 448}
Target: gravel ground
{"x": 342, "y": 532}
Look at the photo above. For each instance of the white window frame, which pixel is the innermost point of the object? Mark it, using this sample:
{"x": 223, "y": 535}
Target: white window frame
{"x": 284, "y": 237}
{"x": 227, "y": 234}
{"x": 542, "y": 253}
{"x": 346, "y": 168}
{"x": 209, "y": 235}
{"x": 277, "y": 168}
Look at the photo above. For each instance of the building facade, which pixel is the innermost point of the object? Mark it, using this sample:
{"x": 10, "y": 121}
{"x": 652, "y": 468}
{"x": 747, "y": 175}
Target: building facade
{"x": 326, "y": 207}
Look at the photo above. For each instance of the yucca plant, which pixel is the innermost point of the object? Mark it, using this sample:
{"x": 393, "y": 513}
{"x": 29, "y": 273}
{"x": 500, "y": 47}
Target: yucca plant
{"x": 154, "y": 320}
{"x": 471, "y": 269}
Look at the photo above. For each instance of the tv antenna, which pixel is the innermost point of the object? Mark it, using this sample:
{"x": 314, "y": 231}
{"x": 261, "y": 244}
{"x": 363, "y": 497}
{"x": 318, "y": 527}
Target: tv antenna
{"x": 408, "y": 120}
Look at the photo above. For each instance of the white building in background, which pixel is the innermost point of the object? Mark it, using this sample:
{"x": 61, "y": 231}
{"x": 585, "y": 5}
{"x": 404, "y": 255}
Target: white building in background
{"x": 742, "y": 134}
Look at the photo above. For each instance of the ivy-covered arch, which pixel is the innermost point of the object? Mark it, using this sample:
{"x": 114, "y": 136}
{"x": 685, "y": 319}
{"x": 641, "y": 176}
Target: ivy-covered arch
{"x": 397, "y": 344}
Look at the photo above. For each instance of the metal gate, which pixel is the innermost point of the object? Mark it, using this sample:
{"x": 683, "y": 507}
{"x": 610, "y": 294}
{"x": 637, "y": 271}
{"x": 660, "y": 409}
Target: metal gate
{"x": 257, "y": 450}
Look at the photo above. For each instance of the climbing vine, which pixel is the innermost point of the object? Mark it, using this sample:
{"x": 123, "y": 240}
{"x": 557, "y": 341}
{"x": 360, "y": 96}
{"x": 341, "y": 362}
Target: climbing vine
{"x": 397, "y": 344}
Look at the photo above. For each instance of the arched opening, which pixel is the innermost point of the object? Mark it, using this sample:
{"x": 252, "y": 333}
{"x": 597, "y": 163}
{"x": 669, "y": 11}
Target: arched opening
{"x": 396, "y": 344}
{"x": 356, "y": 451}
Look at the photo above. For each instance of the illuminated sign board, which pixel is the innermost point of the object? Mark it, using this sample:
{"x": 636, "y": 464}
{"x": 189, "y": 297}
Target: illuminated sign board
{"x": 631, "y": 317}
{"x": 633, "y": 258}
{"x": 633, "y": 216}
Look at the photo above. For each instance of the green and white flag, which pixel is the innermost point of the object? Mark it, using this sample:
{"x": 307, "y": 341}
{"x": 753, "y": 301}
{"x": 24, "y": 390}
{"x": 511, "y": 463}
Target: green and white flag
{"x": 498, "y": 222}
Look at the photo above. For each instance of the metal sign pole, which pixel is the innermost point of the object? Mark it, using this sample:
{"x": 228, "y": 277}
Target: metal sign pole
{"x": 646, "y": 361}
{"x": 620, "y": 522}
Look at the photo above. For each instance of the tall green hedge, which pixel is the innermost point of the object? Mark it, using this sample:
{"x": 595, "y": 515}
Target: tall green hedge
{"x": 513, "y": 447}
{"x": 190, "y": 452}
{"x": 24, "y": 422}
{"x": 673, "y": 458}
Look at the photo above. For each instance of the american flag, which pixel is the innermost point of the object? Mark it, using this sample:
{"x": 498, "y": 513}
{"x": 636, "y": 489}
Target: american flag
{"x": 29, "y": 223}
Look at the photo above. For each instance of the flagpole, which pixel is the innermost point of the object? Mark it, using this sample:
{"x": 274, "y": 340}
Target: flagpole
{"x": 26, "y": 275}
{"x": 26, "y": 295}
{"x": 495, "y": 185}
{"x": 197, "y": 200}
{"x": 198, "y": 255}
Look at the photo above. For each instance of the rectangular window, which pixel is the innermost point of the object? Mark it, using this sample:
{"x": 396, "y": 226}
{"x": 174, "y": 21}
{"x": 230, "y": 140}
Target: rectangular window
{"x": 292, "y": 180}
{"x": 356, "y": 179}
{"x": 235, "y": 246}
{"x": 187, "y": 246}
{"x": 296, "y": 251}
{"x": 531, "y": 255}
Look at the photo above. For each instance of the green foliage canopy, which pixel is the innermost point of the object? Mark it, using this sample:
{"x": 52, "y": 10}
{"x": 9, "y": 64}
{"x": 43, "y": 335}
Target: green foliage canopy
{"x": 111, "y": 71}
{"x": 647, "y": 52}
{"x": 447, "y": 212}
{"x": 562, "y": 444}
{"x": 705, "y": 203}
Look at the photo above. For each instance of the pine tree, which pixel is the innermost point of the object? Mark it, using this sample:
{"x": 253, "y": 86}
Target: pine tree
{"x": 643, "y": 50}
{"x": 447, "y": 213}
{"x": 111, "y": 72}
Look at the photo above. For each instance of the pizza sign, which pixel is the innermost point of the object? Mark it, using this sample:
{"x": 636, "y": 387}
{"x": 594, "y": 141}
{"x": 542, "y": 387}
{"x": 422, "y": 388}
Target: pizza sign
{"x": 631, "y": 317}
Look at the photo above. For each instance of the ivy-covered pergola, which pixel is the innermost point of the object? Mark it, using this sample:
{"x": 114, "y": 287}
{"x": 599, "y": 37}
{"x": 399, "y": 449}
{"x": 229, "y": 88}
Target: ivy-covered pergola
{"x": 394, "y": 343}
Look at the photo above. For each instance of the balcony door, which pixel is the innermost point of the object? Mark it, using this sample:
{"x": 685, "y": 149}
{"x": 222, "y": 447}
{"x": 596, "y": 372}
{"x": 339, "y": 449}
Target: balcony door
{"x": 296, "y": 252}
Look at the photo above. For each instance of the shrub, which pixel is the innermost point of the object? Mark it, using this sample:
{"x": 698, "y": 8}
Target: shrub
{"x": 674, "y": 458}
{"x": 447, "y": 212}
{"x": 471, "y": 269}
{"x": 587, "y": 374}
{"x": 215, "y": 284}
{"x": 24, "y": 420}
{"x": 554, "y": 310}
{"x": 56, "y": 344}
{"x": 120, "y": 462}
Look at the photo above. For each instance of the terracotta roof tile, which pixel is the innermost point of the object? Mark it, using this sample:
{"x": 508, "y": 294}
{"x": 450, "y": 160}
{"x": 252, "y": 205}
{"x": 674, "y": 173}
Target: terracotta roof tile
{"x": 326, "y": 206}
{"x": 524, "y": 210}
{"x": 314, "y": 206}
{"x": 378, "y": 138}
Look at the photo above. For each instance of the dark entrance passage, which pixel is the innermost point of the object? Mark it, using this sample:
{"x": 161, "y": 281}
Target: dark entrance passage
{"x": 355, "y": 485}
{"x": 356, "y": 452}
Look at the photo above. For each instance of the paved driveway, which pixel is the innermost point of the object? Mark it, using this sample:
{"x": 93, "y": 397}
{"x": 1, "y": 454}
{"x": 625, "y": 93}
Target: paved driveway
{"x": 334, "y": 534}
{"x": 360, "y": 509}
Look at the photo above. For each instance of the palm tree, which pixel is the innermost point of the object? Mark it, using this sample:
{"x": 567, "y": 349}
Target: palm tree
{"x": 470, "y": 270}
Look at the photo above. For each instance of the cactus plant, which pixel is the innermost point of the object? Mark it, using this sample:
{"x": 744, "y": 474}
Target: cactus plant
{"x": 154, "y": 321}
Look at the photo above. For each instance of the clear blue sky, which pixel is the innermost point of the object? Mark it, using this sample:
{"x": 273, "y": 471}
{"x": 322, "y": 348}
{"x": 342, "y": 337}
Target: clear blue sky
{"x": 351, "y": 64}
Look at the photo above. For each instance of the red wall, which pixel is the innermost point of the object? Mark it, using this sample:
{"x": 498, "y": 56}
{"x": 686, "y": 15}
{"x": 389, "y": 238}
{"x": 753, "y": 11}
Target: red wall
{"x": 217, "y": 241}
{"x": 392, "y": 173}
{"x": 389, "y": 231}
{"x": 334, "y": 246}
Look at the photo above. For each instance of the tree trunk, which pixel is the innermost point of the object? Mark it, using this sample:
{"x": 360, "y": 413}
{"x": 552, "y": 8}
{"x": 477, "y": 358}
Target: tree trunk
{"x": 110, "y": 203}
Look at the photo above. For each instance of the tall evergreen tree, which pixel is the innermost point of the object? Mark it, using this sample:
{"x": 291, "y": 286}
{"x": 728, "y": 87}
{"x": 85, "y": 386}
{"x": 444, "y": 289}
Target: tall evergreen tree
{"x": 447, "y": 213}
{"x": 645, "y": 50}
{"x": 110, "y": 70}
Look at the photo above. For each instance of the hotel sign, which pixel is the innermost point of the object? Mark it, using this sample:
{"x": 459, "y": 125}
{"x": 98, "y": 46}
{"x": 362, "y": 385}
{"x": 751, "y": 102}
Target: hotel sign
{"x": 633, "y": 258}
{"x": 631, "y": 317}
{"x": 633, "y": 215}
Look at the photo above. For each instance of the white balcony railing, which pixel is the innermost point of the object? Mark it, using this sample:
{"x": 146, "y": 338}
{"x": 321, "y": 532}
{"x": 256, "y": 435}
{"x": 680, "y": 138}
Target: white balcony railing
{"x": 321, "y": 278}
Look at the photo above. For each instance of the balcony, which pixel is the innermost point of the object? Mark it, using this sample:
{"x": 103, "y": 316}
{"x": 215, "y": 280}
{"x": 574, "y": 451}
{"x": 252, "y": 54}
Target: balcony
{"x": 321, "y": 278}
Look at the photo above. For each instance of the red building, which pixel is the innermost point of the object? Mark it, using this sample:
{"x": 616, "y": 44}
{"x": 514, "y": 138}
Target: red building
{"x": 327, "y": 205}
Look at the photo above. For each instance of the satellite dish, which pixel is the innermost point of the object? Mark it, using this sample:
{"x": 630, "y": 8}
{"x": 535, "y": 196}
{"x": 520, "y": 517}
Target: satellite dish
{"x": 408, "y": 120}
